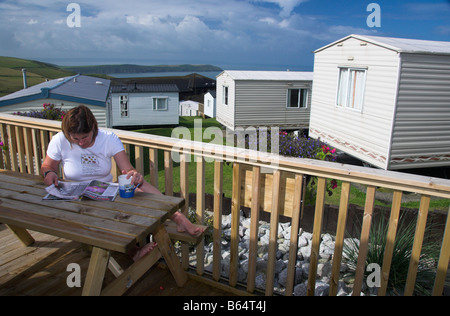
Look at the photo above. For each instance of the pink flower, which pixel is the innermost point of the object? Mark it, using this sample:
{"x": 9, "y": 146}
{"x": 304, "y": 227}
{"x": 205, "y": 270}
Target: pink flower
{"x": 334, "y": 184}
{"x": 333, "y": 150}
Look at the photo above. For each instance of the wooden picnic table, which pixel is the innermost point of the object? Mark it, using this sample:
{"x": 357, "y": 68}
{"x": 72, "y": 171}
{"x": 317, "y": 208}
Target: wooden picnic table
{"x": 104, "y": 225}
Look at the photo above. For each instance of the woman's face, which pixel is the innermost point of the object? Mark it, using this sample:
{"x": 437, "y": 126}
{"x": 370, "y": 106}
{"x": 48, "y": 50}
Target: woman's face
{"x": 83, "y": 140}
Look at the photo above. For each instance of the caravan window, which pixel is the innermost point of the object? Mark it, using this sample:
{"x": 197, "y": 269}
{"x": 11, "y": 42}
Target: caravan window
{"x": 225, "y": 95}
{"x": 159, "y": 104}
{"x": 123, "y": 106}
{"x": 296, "y": 98}
{"x": 351, "y": 85}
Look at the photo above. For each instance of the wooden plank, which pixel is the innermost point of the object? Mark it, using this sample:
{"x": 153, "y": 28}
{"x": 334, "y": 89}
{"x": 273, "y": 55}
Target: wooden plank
{"x": 200, "y": 212}
{"x": 235, "y": 221}
{"x": 287, "y": 191}
{"x": 174, "y": 234}
{"x": 36, "y": 153}
{"x": 129, "y": 277}
{"x": 254, "y": 229}
{"x": 29, "y": 150}
{"x": 339, "y": 242}
{"x": 364, "y": 240}
{"x": 217, "y": 233}
{"x": 317, "y": 229}
{"x": 273, "y": 236}
{"x": 295, "y": 225}
{"x": 153, "y": 156}
{"x": 139, "y": 158}
{"x": 168, "y": 173}
{"x": 83, "y": 218}
{"x": 184, "y": 192}
{"x": 5, "y": 139}
{"x": 114, "y": 267}
{"x": 20, "y": 149}
{"x": 168, "y": 252}
{"x": 96, "y": 272}
{"x": 115, "y": 172}
{"x": 444, "y": 257}
{"x": 2, "y": 154}
{"x": 18, "y": 177}
{"x": 67, "y": 230}
{"x": 44, "y": 138}
{"x": 116, "y": 212}
{"x": 23, "y": 235}
{"x": 417, "y": 245}
{"x": 12, "y": 141}
{"x": 390, "y": 242}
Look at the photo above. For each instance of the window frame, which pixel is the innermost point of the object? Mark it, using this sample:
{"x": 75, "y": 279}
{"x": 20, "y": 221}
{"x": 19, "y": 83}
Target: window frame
{"x": 155, "y": 103}
{"x": 225, "y": 95}
{"x": 301, "y": 101}
{"x": 124, "y": 105}
{"x": 344, "y": 99}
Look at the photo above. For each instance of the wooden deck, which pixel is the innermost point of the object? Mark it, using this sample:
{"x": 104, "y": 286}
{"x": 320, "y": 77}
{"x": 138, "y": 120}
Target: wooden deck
{"x": 41, "y": 270}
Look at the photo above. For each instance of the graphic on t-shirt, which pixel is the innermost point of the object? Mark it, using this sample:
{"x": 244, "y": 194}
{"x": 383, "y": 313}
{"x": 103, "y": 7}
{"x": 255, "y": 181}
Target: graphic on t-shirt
{"x": 89, "y": 164}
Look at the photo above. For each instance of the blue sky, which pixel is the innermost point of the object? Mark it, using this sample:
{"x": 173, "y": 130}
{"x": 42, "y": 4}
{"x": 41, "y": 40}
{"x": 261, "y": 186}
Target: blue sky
{"x": 232, "y": 34}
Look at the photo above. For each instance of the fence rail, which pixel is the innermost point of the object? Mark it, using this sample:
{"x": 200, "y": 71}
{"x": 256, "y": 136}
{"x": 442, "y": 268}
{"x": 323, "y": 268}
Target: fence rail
{"x": 261, "y": 181}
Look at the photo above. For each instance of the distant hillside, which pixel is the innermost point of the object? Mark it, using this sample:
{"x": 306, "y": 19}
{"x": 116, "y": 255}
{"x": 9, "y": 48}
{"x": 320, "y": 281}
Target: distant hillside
{"x": 123, "y": 69}
{"x": 11, "y": 78}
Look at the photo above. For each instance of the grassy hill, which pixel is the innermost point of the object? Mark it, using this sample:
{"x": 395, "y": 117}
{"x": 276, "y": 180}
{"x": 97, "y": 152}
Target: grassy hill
{"x": 11, "y": 78}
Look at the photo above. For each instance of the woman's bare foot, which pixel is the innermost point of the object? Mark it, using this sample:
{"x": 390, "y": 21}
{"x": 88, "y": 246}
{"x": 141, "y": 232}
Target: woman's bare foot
{"x": 138, "y": 253}
{"x": 184, "y": 225}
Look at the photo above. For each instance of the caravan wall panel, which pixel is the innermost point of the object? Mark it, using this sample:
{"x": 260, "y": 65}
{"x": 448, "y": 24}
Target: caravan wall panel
{"x": 421, "y": 135}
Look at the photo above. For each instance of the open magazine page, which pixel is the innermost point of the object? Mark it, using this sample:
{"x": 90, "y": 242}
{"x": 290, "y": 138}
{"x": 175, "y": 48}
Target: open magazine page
{"x": 66, "y": 190}
{"x": 99, "y": 190}
{"x": 96, "y": 190}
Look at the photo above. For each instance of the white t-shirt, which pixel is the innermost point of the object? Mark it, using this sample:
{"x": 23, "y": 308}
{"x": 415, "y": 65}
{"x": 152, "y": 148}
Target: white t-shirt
{"x": 93, "y": 163}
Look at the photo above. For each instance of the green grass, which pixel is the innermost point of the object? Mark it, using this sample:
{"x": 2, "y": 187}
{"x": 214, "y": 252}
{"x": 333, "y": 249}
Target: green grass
{"x": 11, "y": 78}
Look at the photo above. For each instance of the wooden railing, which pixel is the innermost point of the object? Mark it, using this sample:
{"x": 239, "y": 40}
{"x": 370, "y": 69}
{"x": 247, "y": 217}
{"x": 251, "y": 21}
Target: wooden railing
{"x": 277, "y": 190}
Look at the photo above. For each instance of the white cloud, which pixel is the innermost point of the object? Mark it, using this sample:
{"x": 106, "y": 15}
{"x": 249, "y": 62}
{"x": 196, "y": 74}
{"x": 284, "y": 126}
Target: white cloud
{"x": 32, "y": 21}
{"x": 287, "y": 6}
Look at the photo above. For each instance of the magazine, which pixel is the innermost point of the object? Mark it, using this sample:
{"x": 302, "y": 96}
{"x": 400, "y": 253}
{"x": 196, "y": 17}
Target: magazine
{"x": 96, "y": 190}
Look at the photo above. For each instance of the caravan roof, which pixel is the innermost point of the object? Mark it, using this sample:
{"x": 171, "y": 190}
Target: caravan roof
{"x": 401, "y": 45}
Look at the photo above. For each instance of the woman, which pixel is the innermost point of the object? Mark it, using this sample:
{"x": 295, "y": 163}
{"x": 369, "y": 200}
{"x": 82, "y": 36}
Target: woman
{"x": 85, "y": 152}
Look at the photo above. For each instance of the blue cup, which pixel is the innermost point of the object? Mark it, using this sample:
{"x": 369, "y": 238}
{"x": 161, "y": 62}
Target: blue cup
{"x": 126, "y": 187}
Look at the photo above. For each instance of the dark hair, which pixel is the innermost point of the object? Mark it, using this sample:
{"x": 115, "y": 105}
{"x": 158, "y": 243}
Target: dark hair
{"x": 79, "y": 120}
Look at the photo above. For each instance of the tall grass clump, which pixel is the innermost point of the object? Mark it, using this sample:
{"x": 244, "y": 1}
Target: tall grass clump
{"x": 426, "y": 270}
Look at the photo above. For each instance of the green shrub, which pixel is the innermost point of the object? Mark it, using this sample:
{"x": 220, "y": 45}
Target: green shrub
{"x": 401, "y": 256}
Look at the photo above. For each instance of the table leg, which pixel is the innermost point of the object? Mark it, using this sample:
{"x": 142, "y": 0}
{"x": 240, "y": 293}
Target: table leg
{"x": 168, "y": 252}
{"x": 130, "y": 276}
{"x": 23, "y": 235}
{"x": 96, "y": 272}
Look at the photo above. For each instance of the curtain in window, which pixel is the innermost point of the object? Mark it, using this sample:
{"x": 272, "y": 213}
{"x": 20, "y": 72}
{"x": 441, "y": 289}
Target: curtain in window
{"x": 356, "y": 89}
{"x": 159, "y": 104}
{"x": 351, "y": 88}
{"x": 342, "y": 89}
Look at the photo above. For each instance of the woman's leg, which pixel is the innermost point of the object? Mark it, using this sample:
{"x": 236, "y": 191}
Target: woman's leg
{"x": 137, "y": 253}
{"x": 183, "y": 223}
